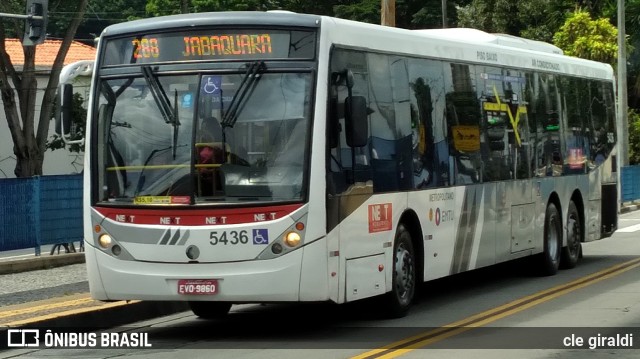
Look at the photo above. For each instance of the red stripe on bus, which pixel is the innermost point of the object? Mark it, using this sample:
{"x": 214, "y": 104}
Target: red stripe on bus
{"x": 197, "y": 217}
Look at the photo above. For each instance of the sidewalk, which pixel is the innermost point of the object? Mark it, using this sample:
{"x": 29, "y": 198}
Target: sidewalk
{"x": 52, "y": 291}
{"x": 43, "y": 261}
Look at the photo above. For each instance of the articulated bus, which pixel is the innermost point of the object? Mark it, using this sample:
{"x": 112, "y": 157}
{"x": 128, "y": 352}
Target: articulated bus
{"x": 255, "y": 157}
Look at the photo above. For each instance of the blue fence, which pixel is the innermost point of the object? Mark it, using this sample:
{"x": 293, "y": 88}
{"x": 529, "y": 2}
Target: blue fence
{"x": 40, "y": 211}
{"x": 630, "y": 183}
{"x": 48, "y": 210}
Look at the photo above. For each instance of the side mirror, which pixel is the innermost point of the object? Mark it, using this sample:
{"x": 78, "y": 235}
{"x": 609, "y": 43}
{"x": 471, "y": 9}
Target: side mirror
{"x": 63, "y": 115}
{"x": 357, "y": 131}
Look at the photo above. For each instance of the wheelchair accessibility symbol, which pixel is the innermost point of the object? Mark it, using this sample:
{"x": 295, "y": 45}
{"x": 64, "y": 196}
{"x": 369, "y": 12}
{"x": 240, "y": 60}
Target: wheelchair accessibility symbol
{"x": 260, "y": 236}
{"x": 211, "y": 84}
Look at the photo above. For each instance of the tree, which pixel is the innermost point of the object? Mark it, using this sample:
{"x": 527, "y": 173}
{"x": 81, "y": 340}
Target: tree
{"x": 172, "y": 7}
{"x": 324, "y": 7}
{"x": 364, "y": 11}
{"x": 632, "y": 30}
{"x": 634, "y": 137}
{"x": 102, "y": 13}
{"x": 30, "y": 137}
{"x": 410, "y": 14}
{"x": 583, "y": 37}
{"x": 532, "y": 19}
{"x": 491, "y": 16}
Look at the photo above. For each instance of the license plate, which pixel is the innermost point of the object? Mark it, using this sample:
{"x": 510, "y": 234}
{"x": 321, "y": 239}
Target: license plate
{"x": 198, "y": 286}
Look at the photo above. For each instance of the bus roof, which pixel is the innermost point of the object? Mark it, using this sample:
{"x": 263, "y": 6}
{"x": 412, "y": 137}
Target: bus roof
{"x": 456, "y": 44}
{"x": 463, "y": 45}
{"x": 478, "y": 36}
{"x": 231, "y": 18}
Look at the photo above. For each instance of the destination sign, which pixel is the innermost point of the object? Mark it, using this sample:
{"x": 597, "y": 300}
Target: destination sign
{"x": 198, "y": 45}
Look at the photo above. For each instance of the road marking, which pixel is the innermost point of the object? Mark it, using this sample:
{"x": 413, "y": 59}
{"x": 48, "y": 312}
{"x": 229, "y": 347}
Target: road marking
{"x": 67, "y": 313}
{"x": 44, "y": 307}
{"x": 43, "y": 310}
{"x": 630, "y": 229}
{"x": 424, "y": 339}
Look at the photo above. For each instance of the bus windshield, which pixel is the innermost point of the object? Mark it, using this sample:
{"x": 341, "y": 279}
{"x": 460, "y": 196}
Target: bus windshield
{"x": 212, "y": 138}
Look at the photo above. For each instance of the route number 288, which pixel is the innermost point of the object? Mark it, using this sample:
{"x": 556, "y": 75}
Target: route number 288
{"x": 229, "y": 237}
{"x": 145, "y": 48}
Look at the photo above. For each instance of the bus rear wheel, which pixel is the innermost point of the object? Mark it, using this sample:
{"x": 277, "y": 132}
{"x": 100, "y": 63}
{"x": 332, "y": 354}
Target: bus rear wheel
{"x": 571, "y": 252}
{"x": 210, "y": 310}
{"x": 550, "y": 257}
{"x": 403, "y": 289}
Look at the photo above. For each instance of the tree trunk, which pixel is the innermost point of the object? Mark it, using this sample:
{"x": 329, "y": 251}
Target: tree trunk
{"x": 30, "y": 165}
{"x": 30, "y": 137}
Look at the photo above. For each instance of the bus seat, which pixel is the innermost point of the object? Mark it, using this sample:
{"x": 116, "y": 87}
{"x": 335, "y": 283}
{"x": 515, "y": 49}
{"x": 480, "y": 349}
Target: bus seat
{"x": 356, "y": 195}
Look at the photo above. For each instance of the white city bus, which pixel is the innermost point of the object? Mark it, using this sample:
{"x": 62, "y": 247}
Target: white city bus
{"x": 247, "y": 157}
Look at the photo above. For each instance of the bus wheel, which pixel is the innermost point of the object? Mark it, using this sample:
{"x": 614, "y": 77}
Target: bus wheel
{"x": 404, "y": 275}
{"x": 210, "y": 310}
{"x": 550, "y": 257}
{"x": 571, "y": 252}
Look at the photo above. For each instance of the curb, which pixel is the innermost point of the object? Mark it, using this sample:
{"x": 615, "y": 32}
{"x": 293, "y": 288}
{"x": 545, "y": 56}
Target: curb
{"x": 40, "y": 262}
{"x": 629, "y": 208}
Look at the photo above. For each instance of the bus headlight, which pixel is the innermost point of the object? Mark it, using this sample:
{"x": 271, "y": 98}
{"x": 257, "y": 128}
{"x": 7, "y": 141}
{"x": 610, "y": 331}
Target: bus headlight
{"x": 104, "y": 240}
{"x": 289, "y": 240}
{"x": 292, "y": 239}
{"x": 108, "y": 243}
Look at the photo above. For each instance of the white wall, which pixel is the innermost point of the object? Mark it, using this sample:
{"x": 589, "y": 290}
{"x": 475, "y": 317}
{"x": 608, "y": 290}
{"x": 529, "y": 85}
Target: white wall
{"x": 56, "y": 162}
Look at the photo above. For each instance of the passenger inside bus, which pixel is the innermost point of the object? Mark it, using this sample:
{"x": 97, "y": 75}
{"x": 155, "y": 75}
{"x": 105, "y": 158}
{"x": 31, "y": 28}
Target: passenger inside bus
{"x": 210, "y": 154}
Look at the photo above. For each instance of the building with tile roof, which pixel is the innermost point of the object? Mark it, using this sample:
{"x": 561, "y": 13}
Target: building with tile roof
{"x": 46, "y": 53}
{"x": 59, "y": 161}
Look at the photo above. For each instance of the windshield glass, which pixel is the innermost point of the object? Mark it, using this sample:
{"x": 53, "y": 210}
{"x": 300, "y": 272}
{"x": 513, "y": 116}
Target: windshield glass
{"x": 184, "y": 139}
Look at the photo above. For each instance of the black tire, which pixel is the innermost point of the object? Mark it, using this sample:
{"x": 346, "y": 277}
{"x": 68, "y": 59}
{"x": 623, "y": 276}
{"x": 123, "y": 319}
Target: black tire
{"x": 550, "y": 257}
{"x": 572, "y": 252}
{"x": 210, "y": 310}
{"x": 403, "y": 286}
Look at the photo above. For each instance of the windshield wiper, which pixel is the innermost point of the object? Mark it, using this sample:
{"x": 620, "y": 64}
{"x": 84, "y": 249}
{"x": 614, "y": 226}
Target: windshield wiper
{"x": 169, "y": 114}
{"x": 249, "y": 80}
{"x": 159, "y": 95}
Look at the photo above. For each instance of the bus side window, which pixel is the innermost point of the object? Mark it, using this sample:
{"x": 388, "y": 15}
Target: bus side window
{"x": 463, "y": 120}
{"x": 391, "y": 136}
{"x": 600, "y": 124}
{"x": 347, "y": 162}
{"x": 549, "y": 129}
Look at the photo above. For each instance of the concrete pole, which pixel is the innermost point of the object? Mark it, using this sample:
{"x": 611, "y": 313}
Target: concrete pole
{"x": 388, "y": 13}
{"x": 623, "y": 120}
{"x": 444, "y": 14}
{"x": 622, "y": 86}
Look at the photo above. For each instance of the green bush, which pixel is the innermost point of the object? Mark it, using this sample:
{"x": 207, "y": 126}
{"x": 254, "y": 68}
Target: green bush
{"x": 634, "y": 137}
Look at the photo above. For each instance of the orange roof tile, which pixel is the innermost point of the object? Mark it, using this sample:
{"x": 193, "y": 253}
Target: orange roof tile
{"x": 46, "y": 52}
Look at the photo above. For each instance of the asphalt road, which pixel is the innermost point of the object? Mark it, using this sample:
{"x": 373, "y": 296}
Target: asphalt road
{"x": 497, "y": 312}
